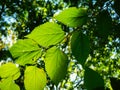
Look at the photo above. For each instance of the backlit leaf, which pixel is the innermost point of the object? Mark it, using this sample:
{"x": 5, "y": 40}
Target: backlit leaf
{"x": 9, "y": 70}
{"x": 80, "y": 46}
{"x": 47, "y": 34}
{"x": 35, "y": 78}
{"x": 8, "y": 84}
{"x": 92, "y": 80}
{"x": 56, "y": 63}
{"x": 25, "y": 51}
{"x": 73, "y": 16}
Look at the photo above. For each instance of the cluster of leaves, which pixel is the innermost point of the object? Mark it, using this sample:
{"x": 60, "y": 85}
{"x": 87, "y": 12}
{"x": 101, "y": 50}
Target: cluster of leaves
{"x": 45, "y": 42}
{"x": 21, "y": 17}
{"x": 89, "y": 36}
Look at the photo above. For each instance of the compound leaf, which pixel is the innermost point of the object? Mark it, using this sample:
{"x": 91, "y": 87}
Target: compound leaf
{"x": 25, "y": 51}
{"x": 80, "y": 46}
{"x": 103, "y": 24}
{"x": 9, "y": 70}
{"x": 115, "y": 83}
{"x": 35, "y": 78}
{"x": 56, "y": 63}
{"x": 73, "y": 16}
{"x": 8, "y": 84}
{"x": 117, "y": 6}
{"x": 47, "y": 34}
{"x": 92, "y": 80}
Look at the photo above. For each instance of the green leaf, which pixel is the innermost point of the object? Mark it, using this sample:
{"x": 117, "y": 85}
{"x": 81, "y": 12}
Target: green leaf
{"x": 56, "y": 63}
{"x": 80, "y": 46}
{"x": 73, "y": 16}
{"x": 8, "y": 84}
{"x": 47, "y": 34}
{"x": 92, "y": 80}
{"x": 9, "y": 70}
{"x": 104, "y": 24}
{"x": 116, "y": 6}
{"x": 115, "y": 83}
{"x": 35, "y": 78}
{"x": 25, "y": 51}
